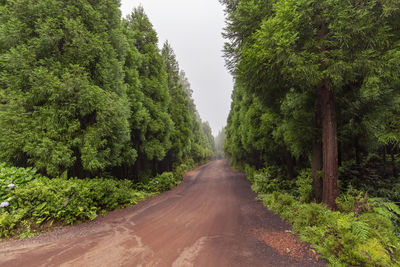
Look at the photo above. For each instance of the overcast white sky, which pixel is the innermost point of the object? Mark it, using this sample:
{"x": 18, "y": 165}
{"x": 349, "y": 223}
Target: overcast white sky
{"x": 193, "y": 28}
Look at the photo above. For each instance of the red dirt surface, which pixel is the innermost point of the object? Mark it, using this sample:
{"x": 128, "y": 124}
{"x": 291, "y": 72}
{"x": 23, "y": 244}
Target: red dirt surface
{"x": 211, "y": 219}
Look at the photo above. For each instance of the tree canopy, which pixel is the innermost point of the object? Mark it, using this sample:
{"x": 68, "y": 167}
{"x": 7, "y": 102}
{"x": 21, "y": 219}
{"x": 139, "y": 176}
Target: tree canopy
{"x": 84, "y": 92}
{"x": 316, "y": 86}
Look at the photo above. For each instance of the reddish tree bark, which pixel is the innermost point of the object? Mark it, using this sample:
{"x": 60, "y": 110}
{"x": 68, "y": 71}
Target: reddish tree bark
{"x": 327, "y": 101}
{"x": 329, "y": 145}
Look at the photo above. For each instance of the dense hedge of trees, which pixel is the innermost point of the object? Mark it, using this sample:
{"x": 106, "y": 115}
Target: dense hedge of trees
{"x": 317, "y": 86}
{"x": 84, "y": 93}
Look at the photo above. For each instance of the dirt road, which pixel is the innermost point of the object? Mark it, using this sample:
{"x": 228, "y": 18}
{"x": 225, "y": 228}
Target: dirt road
{"x": 211, "y": 219}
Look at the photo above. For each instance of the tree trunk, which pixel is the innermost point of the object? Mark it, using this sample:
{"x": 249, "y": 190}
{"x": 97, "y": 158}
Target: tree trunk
{"x": 329, "y": 145}
{"x": 329, "y": 130}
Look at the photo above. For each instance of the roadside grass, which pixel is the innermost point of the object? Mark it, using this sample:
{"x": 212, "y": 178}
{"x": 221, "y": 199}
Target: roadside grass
{"x": 31, "y": 204}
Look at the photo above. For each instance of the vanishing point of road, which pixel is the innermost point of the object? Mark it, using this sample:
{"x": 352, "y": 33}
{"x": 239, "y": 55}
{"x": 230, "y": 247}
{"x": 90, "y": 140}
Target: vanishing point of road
{"x": 211, "y": 219}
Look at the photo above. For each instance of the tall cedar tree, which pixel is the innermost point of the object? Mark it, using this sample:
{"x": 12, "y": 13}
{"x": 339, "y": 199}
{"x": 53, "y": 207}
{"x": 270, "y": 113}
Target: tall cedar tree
{"x": 152, "y": 137}
{"x": 63, "y": 100}
{"x": 181, "y": 136}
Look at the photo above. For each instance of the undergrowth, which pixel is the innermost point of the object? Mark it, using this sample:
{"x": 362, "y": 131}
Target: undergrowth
{"x": 363, "y": 232}
{"x": 31, "y": 203}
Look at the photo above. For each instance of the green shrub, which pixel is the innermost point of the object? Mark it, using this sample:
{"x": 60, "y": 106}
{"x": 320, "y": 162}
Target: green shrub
{"x": 166, "y": 180}
{"x": 271, "y": 179}
{"x": 183, "y": 168}
{"x": 304, "y": 185}
{"x": 66, "y": 201}
{"x": 250, "y": 171}
{"x": 163, "y": 182}
{"x": 344, "y": 238}
{"x": 353, "y": 201}
{"x": 73, "y": 200}
{"x": 16, "y": 176}
{"x": 368, "y": 176}
{"x": 36, "y": 199}
{"x": 7, "y": 223}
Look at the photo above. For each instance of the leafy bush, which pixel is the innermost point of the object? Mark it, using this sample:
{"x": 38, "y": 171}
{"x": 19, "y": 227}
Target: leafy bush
{"x": 363, "y": 232}
{"x": 368, "y": 176}
{"x": 166, "y": 180}
{"x": 353, "y": 201}
{"x": 7, "y": 223}
{"x": 250, "y": 171}
{"x": 304, "y": 185}
{"x": 183, "y": 168}
{"x": 271, "y": 179}
{"x": 163, "y": 182}
{"x": 344, "y": 238}
{"x": 35, "y": 200}
{"x": 15, "y": 177}
{"x": 67, "y": 201}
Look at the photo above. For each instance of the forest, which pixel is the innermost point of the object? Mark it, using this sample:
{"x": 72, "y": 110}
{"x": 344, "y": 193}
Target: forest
{"x": 315, "y": 119}
{"x": 95, "y": 116}
{"x": 85, "y": 93}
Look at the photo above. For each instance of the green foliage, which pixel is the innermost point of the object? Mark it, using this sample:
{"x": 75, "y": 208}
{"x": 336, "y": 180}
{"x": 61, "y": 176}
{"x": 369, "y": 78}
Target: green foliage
{"x": 183, "y": 168}
{"x": 370, "y": 176}
{"x": 363, "y": 232}
{"x": 8, "y": 222}
{"x": 342, "y": 237}
{"x": 181, "y": 136}
{"x": 63, "y": 103}
{"x": 388, "y": 210}
{"x": 26, "y": 232}
{"x": 166, "y": 180}
{"x": 151, "y": 135}
{"x": 16, "y": 176}
{"x": 250, "y": 172}
{"x": 36, "y": 200}
{"x": 353, "y": 201}
{"x": 283, "y": 54}
{"x": 73, "y": 200}
{"x": 271, "y": 179}
{"x": 84, "y": 93}
{"x": 304, "y": 186}
{"x": 163, "y": 182}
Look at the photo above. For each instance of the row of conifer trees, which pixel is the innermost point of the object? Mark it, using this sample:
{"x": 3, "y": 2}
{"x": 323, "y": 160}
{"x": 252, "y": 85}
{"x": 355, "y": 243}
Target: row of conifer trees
{"x": 316, "y": 86}
{"x": 86, "y": 93}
